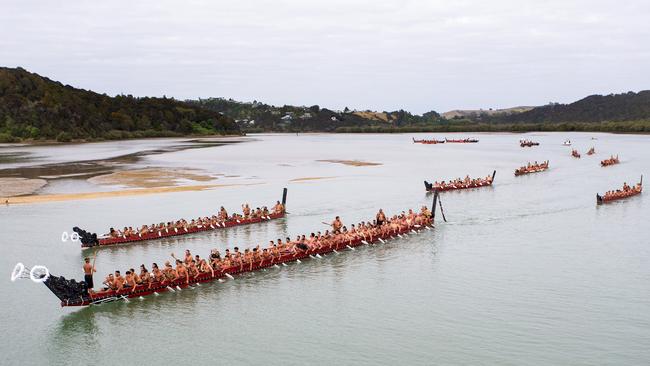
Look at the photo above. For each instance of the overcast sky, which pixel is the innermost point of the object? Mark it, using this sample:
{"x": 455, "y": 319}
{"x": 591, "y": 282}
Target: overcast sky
{"x": 380, "y": 55}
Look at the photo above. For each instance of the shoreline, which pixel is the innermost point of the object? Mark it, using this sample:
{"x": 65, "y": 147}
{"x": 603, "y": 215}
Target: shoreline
{"x": 352, "y": 131}
{"x": 30, "y": 142}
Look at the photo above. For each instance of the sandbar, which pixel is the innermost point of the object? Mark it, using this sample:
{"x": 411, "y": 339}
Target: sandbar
{"x": 350, "y": 162}
{"x": 10, "y": 186}
{"x": 305, "y": 179}
{"x": 151, "y": 177}
{"x": 122, "y": 193}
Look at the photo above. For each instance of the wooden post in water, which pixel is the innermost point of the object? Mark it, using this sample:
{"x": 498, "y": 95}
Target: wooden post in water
{"x": 284, "y": 198}
{"x": 433, "y": 205}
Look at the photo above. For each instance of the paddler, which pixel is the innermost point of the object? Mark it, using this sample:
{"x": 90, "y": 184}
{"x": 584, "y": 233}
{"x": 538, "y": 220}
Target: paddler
{"x": 188, "y": 257}
{"x": 181, "y": 272}
{"x": 118, "y": 282}
{"x": 109, "y": 282}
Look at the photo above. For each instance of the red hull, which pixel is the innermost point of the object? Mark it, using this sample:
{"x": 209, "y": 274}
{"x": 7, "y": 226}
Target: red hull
{"x": 605, "y": 163}
{"x": 465, "y": 141}
{"x": 462, "y": 187}
{"x": 142, "y": 290}
{"x": 170, "y": 233}
{"x": 519, "y": 172}
{"x": 616, "y": 198}
{"x": 428, "y": 142}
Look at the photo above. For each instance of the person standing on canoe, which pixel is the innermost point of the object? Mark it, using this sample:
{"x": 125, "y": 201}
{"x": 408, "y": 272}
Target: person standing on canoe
{"x": 89, "y": 269}
{"x": 425, "y": 212}
{"x": 278, "y": 208}
{"x": 381, "y": 217}
{"x": 337, "y": 225}
{"x": 223, "y": 214}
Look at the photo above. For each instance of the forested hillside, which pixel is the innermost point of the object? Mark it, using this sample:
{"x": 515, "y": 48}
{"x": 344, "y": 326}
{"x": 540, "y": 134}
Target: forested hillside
{"x": 257, "y": 116}
{"x": 628, "y": 111}
{"x": 33, "y": 107}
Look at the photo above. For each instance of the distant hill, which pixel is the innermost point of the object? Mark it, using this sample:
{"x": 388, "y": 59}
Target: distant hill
{"x": 471, "y": 113}
{"x": 33, "y": 107}
{"x": 594, "y": 108}
{"x": 629, "y": 112}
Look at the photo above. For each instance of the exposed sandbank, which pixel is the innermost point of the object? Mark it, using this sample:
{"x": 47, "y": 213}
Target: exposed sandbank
{"x": 151, "y": 177}
{"x": 350, "y": 162}
{"x": 305, "y": 179}
{"x": 122, "y": 193}
{"x": 19, "y": 186}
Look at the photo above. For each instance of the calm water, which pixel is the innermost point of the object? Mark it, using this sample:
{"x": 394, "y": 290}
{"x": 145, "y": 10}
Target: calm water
{"x": 528, "y": 272}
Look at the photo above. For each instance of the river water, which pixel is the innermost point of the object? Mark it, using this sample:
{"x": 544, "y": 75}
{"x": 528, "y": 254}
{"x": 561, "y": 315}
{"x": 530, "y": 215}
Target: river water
{"x": 527, "y": 272}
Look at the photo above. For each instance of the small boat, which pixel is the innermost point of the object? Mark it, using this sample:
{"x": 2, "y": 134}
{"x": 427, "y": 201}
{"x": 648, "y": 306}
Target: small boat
{"x": 528, "y": 169}
{"x": 461, "y": 141}
{"x": 75, "y": 293}
{"x": 575, "y": 154}
{"x": 611, "y": 161}
{"x": 428, "y": 142}
{"x": 89, "y": 240}
{"x": 591, "y": 151}
{"x": 528, "y": 143}
{"x": 567, "y": 142}
{"x": 620, "y": 194}
{"x": 451, "y": 186}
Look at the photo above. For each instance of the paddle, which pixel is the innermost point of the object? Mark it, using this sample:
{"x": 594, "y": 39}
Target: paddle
{"x": 94, "y": 259}
{"x": 441, "y": 210}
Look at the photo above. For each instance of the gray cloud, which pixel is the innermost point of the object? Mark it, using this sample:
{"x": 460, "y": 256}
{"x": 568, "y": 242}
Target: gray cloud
{"x": 417, "y": 55}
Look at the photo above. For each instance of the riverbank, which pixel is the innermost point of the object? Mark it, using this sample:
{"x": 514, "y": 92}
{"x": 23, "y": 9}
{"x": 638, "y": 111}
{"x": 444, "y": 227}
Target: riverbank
{"x": 12, "y": 140}
{"x": 627, "y": 127}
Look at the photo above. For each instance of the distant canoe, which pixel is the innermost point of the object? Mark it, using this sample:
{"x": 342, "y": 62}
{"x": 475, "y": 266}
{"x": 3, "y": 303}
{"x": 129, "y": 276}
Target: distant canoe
{"x": 452, "y": 187}
{"x": 461, "y": 141}
{"x": 526, "y": 170}
{"x": 619, "y": 195}
{"x": 428, "y": 142}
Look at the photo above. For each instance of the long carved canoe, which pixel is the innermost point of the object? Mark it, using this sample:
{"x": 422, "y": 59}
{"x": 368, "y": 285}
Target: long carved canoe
{"x": 622, "y": 195}
{"x": 610, "y": 161}
{"x": 525, "y": 170}
{"x": 89, "y": 240}
{"x": 430, "y": 188}
{"x": 428, "y": 142}
{"x": 461, "y": 141}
